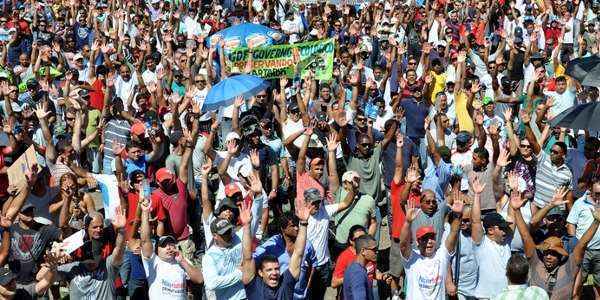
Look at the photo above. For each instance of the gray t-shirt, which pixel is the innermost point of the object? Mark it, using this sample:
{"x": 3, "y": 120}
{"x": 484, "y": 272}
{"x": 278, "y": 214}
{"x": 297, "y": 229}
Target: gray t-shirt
{"x": 98, "y": 284}
{"x": 436, "y": 220}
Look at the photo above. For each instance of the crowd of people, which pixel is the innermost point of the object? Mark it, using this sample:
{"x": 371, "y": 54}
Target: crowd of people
{"x": 426, "y": 167}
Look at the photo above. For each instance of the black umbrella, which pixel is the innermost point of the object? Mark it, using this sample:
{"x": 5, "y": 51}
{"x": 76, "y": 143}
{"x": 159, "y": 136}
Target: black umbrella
{"x": 586, "y": 70}
{"x": 583, "y": 116}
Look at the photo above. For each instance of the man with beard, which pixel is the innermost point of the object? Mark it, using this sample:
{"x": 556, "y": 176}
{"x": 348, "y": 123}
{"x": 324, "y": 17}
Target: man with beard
{"x": 427, "y": 266}
{"x": 552, "y": 267}
{"x": 281, "y": 246}
{"x": 552, "y": 171}
{"x": 273, "y": 283}
{"x": 167, "y": 270}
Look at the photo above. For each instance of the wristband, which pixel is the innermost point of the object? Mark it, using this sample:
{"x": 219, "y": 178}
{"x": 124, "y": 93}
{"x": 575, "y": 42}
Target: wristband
{"x": 303, "y": 223}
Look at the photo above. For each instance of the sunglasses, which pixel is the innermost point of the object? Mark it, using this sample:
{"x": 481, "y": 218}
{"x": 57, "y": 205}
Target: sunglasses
{"x": 365, "y": 145}
{"x": 261, "y": 96}
{"x": 525, "y": 146}
{"x": 465, "y": 221}
{"x": 361, "y": 119}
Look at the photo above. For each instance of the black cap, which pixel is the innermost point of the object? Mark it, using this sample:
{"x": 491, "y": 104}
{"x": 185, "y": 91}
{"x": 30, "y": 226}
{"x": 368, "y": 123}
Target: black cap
{"x": 220, "y": 226}
{"x": 165, "y": 240}
{"x": 494, "y": 219}
{"x": 293, "y": 106}
{"x": 226, "y": 204}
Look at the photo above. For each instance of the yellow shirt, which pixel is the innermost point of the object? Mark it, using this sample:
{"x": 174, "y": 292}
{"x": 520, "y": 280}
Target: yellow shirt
{"x": 440, "y": 84}
{"x": 462, "y": 114}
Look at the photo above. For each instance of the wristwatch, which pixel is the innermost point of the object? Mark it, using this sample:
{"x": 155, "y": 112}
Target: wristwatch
{"x": 303, "y": 223}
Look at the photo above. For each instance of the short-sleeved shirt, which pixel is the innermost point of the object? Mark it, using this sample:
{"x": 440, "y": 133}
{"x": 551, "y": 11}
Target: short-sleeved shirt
{"x": 581, "y": 216}
{"x": 362, "y": 212}
{"x": 562, "y": 101}
{"x": 398, "y": 215}
{"x": 304, "y": 182}
{"x": 370, "y": 172}
{"x": 436, "y": 220}
{"x": 425, "y": 276}
{"x": 258, "y": 290}
{"x": 27, "y": 246}
{"x": 462, "y": 114}
{"x": 166, "y": 279}
{"x": 548, "y": 178}
{"x": 175, "y": 206}
{"x": 345, "y": 259}
{"x": 565, "y": 276}
{"x": 491, "y": 256}
{"x": 356, "y": 283}
{"x": 317, "y": 231}
{"x": 416, "y": 112}
{"x": 84, "y": 284}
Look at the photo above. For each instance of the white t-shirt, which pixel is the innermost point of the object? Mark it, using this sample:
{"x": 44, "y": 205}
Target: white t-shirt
{"x": 290, "y": 127}
{"x": 425, "y": 276}
{"x": 492, "y": 259}
{"x": 317, "y": 231}
{"x": 124, "y": 89}
{"x": 165, "y": 279}
{"x": 562, "y": 101}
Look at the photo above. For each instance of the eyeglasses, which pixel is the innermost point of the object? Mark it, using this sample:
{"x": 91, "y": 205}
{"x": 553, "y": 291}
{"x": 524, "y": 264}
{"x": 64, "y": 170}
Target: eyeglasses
{"x": 261, "y": 96}
{"x": 412, "y": 62}
{"x": 200, "y": 81}
{"x": 525, "y": 146}
{"x": 365, "y": 145}
{"x": 374, "y": 249}
{"x": 295, "y": 111}
{"x": 465, "y": 220}
{"x": 361, "y": 119}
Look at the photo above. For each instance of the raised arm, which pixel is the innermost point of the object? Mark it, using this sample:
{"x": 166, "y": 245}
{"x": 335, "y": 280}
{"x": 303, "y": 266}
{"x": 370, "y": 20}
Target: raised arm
{"x": 535, "y": 146}
{"x": 301, "y": 163}
{"x": 42, "y": 115}
{"x": 332, "y": 145}
{"x": 119, "y": 220}
{"x": 558, "y": 199}
{"x": 405, "y": 234}
{"x": 145, "y": 231}
{"x": 476, "y": 227}
{"x": 303, "y": 213}
{"x": 187, "y": 153}
{"x": 457, "y": 210}
{"x": 207, "y": 207}
{"x": 248, "y": 264}
{"x": 516, "y": 202}
{"x": 399, "y": 163}
{"x": 581, "y": 245}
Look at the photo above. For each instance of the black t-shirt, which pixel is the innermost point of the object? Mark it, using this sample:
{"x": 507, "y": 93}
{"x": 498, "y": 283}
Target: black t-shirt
{"x": 27, "y": 247}
{"x": 258, "y": 290}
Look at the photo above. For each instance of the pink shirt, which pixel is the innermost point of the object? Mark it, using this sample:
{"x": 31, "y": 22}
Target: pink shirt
{"x": 305, "y": 182}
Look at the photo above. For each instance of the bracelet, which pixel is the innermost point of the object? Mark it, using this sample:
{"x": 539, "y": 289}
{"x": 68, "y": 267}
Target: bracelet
{"x": 303, "y": 223}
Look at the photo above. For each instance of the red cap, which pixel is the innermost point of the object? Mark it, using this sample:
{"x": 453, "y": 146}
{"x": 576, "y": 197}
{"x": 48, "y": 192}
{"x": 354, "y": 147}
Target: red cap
{"x": 231, "y": 189}
{"x": 138, "y": 128}
{"x": 164, "y": 174}
{"x": 423, "y": 230}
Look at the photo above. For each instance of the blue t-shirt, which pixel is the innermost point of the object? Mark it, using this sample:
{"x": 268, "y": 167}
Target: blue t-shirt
{"x": 356, "y": 283}
{"x": 415, "y": 113}
{"x": 258, "y": 290}
{"x": 133, "y": 165}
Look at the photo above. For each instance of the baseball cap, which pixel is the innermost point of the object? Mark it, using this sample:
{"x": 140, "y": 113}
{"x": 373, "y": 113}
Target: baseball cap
{"x": 138, "y": 128}
{"x": 77, "y": 56}
{"x": 554, "y": 244}
{"x": 231, "y": 189}
{"x": 220, "y": 226}
{"x": 349, "y": 176}
{"x": 463, "y": 137}
{"x": 494, "y": 219}
{"x": 175, "y": 137}
{"x": 226, "y": 203}
{"x": 165, "y": 240}
{"x": 232, "y": 136}
{"x": 487, "y": 100}
{"x": 312, "y": 195}
{"x": 424, "y": 230}
{"x": 164, "y": 174}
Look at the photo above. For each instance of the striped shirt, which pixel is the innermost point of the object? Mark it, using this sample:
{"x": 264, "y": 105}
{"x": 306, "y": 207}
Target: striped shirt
{"x": 522, "y": 292}
{"x": 116, "y": 130}
{"x": 548, "y": 178}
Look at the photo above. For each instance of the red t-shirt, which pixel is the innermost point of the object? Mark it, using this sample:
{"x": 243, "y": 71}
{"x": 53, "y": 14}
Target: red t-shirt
{"x": 345, "y": 259}
{"x": 97, "y": 95}
{"x": 398, "y": 215}
{"x": 176, "y": 206}
{"x": 132, "y": 200}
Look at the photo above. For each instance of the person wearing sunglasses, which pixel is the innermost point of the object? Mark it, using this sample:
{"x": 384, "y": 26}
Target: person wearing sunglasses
{"x": 356, "y": 280}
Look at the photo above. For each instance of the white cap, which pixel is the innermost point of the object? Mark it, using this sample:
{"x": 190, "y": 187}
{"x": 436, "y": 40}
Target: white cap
{"x": 77, "y": 56}
{"x": 349, "y": 176}
{"x": 232, "y": 136}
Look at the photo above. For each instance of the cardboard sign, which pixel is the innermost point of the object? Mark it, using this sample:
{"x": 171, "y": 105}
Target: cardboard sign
{"x": 16, "y": 172}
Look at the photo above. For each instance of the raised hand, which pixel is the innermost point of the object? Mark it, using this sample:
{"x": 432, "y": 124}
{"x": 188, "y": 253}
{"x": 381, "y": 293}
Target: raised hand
{"x": 255, "y": 158}
{"x": 308, "y": 131}
{"x": 412, "y": 175}
{"x": 516, "y": 201}
{"x": 245, "y": 214}
{"x": 232, "y": 147}
{"x": 145, "y": 205}
{"x": 525, "y": 117}
{"x": 513, "y": 180}
{"x": 477, "y": 186}
{"x": 559, "y": 196}
{"x": 255, "y": 184}
{"x": 239, "y": 101}
{"x": 507, "y": 114}
{"x": 411, "y": 211}
{"x": 206, "y": 168}
{"x": 458, "y": 205}
{"x": 303, "y": 210}
{"x": 40, "y": 112}
{"x": 332, "y": 142}
{"x": 503, "y": 159}
{"x": 119, "y": 220}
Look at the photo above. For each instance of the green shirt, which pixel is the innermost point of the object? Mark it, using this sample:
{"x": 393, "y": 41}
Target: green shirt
{"x": 522, "y": 292}
{"x": 94, "y": 116}
{"x": 369, "y": 171}
{"x": 360, "y": 214}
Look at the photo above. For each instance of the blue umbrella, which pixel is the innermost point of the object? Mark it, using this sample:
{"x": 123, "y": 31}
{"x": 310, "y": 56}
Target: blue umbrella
{"x": 239, "y": 36}
{"x": 224, "y": 93}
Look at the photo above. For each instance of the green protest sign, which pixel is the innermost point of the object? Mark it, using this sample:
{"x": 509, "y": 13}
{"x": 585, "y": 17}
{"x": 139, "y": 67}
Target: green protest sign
{"x": 283, "y": 60}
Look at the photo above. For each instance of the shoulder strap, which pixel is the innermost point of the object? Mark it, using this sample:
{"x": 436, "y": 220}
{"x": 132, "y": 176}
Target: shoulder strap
{"x": 348, "y": 210}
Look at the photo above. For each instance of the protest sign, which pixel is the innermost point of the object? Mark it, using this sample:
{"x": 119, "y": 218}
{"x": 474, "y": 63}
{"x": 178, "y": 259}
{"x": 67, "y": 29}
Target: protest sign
{"x": 286, "y": 60}
{"x": 73, "y": 242}
{"x": 16, "y": 172}
{"x": 109, "y": 187}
